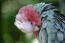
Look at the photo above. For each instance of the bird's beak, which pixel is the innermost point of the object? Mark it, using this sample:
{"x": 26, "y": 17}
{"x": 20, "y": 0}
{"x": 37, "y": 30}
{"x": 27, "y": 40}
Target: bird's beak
{"x": 36, "y": 31}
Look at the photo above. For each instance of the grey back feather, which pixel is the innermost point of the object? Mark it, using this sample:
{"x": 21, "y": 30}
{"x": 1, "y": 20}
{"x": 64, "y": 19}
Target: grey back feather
{"x": 53, "y": 24}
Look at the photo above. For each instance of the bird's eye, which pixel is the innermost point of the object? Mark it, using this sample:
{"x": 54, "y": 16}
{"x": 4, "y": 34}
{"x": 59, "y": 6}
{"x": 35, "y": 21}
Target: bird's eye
{"x": 31, "y": 22}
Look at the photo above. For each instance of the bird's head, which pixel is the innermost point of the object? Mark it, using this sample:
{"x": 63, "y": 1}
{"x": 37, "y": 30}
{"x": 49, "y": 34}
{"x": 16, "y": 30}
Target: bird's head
{"x": 28, "y": 20}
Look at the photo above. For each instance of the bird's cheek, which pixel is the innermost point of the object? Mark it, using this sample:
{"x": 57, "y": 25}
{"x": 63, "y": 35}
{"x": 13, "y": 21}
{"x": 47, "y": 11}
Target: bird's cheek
{"x": 17, "y": 24}
{"x": 25, "y": 27}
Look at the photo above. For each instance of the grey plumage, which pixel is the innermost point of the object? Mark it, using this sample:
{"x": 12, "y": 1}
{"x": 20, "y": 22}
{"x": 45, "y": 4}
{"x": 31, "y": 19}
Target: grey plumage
{"x": 53, "y": 24}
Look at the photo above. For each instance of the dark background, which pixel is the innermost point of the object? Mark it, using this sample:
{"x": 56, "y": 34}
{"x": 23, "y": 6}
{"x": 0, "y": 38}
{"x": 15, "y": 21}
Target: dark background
{"x": 9, "y": 8}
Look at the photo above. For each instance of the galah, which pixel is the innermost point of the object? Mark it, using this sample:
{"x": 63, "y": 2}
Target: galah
{"x": 44, "y": 20}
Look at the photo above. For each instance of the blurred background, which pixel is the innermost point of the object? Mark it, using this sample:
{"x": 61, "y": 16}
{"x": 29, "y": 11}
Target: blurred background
{"x": 9, "y": 8}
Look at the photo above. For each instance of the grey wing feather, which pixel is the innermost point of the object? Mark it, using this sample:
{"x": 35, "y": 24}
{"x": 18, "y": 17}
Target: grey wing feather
{"x": 61, "y": 23}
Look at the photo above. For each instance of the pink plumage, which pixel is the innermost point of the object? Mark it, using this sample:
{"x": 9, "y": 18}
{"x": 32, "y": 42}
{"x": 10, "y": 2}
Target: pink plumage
{"x": 28, "y": 16}
{"x": 31, "y": 14}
